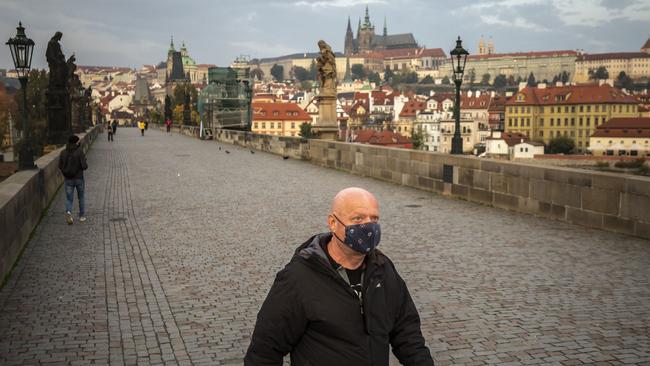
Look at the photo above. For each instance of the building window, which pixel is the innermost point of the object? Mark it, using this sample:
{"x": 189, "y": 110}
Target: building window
{"x": 566, "y": 121}
{"x": 541, "y": 122}
{"x": 588, "y": 109}
{"x": 263, "y": 124}
{"x": 573, "y": 121}
{"x": 293, "y": 125}
{"x": 573, "y": 109}
{"x": 541, "y": 133}
{"x": 581, "y": 109}
{"x": 256, "y": 125}
{"x": 272, "y": 125}
{"x": 588, "y": 122}
{"x": 552, "y": 121}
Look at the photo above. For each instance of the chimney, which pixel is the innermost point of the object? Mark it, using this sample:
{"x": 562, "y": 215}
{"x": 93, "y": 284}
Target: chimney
{"x": 541, "y": 86}
{"x": 508, "y": 94}
{"x": 478, "y": 93}
{"x": 522, "y": 85}
{"x": 559, "y": 83}
{"x": 469, "y": 93}
{"x": 492, "y": 94}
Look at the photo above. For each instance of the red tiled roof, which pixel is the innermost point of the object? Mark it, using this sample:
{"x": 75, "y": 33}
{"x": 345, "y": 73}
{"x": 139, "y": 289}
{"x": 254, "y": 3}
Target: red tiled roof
{"x": 474, "y": 102}
{"x": 612, "y": 56}
{"x": 524, "y": 54}
{"x": 279, "y": 112}
{"x": 411, "y": 107}
{"x": 624, "y": 127}
{"x": 511, "y": 138}
{"x": 573, "y": 94}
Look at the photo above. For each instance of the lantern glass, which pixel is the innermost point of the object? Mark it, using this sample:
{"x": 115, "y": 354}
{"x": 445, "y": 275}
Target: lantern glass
{"x": 458, "y": 60}
{"x": 22, "y": 49}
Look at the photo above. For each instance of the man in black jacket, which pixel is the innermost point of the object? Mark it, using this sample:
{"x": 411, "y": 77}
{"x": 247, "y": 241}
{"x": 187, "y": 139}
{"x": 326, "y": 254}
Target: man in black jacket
{"x": 340, "y": 301}
{"x": 72, "y": 163}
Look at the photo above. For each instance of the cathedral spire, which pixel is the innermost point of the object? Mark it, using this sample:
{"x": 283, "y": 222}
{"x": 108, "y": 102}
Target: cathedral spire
{"x": 171, "y": 45}
{"x": 349, "y": 40}
{"x": 385, "y": 27}
{"x": 366, "y": 20}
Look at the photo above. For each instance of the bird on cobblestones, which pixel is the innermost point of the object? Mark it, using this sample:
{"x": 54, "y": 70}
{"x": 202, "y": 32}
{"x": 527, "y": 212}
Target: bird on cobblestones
{"x": 252, "y": 152}
{"x": 285, "y": 157}
{"x": 219, "y": 147}
{"x": 227, "y": 152}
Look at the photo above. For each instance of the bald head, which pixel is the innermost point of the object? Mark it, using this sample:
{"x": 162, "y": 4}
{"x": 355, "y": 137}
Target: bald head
{"x": 355, "y": 205}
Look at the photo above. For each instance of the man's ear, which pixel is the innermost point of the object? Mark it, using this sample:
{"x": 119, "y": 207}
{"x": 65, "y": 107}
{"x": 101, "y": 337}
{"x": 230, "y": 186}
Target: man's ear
{"x": 331, "y": 222}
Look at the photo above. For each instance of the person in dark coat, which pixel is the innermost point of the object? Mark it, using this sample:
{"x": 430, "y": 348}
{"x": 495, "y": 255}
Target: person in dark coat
{"x": 340, "y": 301}
{"x": 72, "y": 163}
{"x": 114, "y": 125}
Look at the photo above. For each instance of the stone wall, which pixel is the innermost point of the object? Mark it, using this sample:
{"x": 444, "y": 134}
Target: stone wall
{"x": 24, "y": 196}
{"x": 608, "y": 201}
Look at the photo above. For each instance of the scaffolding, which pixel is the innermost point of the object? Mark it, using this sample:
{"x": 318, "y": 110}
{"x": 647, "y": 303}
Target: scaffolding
{"x": 226, "y": 101}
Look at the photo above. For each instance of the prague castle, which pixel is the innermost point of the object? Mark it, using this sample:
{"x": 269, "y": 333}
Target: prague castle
{"x": 367, "y": 41}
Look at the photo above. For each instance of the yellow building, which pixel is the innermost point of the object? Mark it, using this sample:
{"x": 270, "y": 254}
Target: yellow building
{"x": 636, "y": 65}
{"x": 543, "y": 64}
{"x": 573, "y": 111}
{"x": 280, "y": 119}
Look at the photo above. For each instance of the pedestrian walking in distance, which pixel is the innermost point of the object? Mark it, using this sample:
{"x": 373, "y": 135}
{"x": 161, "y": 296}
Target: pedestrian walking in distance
{"x": 114, "y": 125}
{"x": 141, "y": 126}
{"x": 340, "y": 301}
{"x": 109, "y": 129}
{"x": 72, "y": 163}
{"x": 168, "y": 124}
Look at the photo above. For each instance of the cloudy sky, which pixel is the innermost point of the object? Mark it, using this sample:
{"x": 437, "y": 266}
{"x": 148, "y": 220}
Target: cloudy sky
{"x": 135, "y": 32}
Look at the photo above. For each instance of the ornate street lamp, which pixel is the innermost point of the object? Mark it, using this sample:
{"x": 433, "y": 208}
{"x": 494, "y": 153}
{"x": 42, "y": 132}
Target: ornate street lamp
{"x": 458, "y": 59}
{"x": 22, "y": 49}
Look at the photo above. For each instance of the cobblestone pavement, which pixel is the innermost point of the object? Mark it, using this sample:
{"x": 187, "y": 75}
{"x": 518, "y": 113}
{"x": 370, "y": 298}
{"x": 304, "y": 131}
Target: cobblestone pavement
{"x": 183, "y": 241}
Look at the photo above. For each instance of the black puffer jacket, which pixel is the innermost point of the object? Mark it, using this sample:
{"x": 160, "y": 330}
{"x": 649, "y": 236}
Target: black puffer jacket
{"x": 72, "y": 162}
{"x": 313, "y": 314}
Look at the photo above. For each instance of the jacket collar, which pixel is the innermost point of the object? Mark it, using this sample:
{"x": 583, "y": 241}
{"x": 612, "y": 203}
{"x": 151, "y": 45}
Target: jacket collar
{"x": 312, "y": 251}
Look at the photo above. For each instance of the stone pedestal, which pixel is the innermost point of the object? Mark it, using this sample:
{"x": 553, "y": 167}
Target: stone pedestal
{"x": 326, "y": 127}
{"x": 58, "y": 116}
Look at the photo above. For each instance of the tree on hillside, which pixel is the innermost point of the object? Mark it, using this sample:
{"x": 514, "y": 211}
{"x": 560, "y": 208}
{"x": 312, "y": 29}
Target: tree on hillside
{"x": 427, "y": 80}
{"x": 485, "y": 79}
{"x": 388, "y": 75}
{"x": 531, "y": 82}
{"x": 560, "y": 145}
{"x": 410, "y": 77}
{"x": 257, "y": 74}
{"x": 471, "y": 77}
{"x": 623, "y": 81}
{"x": 358, "y": 72}
{"x": 600, "y": 73}
{"x": 446, "y": 80}
{"x": 499, "y": 81}
{"x": 300, "y": 73}
{"x": 277, "y": 71}
{"x": 374, "y": 77}
{"x": 313, "y": 71}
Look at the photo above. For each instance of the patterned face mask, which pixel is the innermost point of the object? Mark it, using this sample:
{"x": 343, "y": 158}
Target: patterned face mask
{"x": 363, "y": 238}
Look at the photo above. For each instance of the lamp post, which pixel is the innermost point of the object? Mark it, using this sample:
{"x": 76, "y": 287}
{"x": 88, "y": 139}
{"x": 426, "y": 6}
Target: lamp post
{"x": 458, "y": 59}
{"x": 22, "y": 49}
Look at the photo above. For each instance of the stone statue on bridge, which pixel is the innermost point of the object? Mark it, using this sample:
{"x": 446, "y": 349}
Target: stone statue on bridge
{"x": 58, "y": 94}
{"x": 326, "y": 126}
{"x": 326, "y": 64}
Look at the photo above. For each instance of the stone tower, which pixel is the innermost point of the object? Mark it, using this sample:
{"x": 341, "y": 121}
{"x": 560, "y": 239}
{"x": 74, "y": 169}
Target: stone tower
{"x": 349, "y": 40}
{"x": 481, "y": 46}
{"x": 366, "y": 34}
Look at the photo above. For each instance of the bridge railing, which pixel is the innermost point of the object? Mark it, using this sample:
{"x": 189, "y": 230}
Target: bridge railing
{"x": 608, "y": 201}
{"x": 24, "y": 197}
